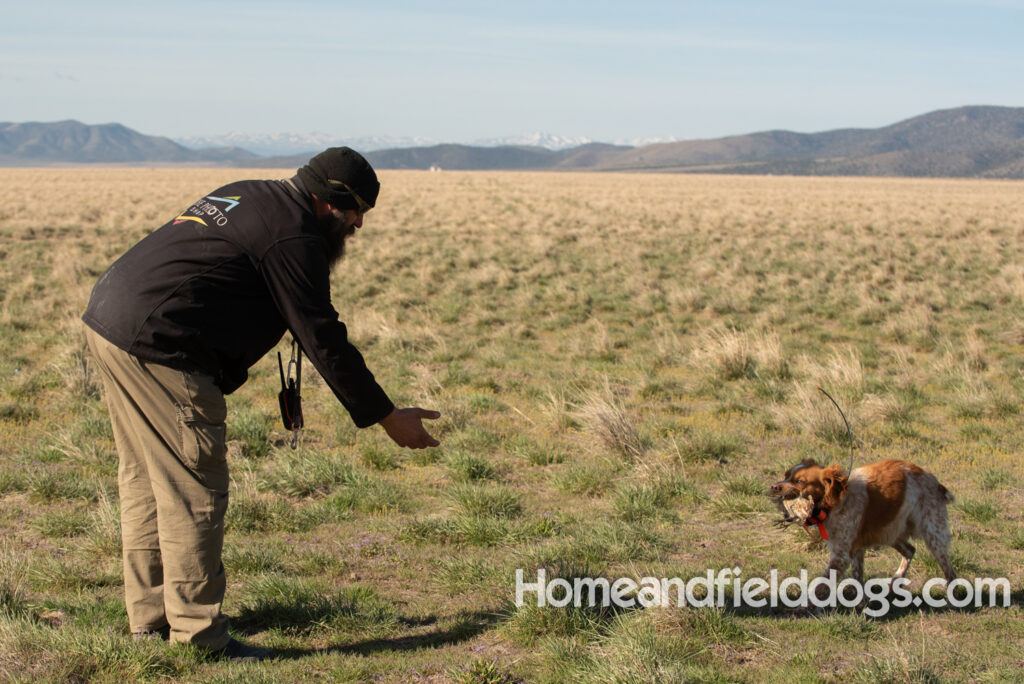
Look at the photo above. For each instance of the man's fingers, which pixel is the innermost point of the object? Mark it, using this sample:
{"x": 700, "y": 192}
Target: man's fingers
{"x": 423, "y": 442}
{"x": 426, "y": 439}
{"x": 405, "y": 427}
{"x": 429, "y": 415}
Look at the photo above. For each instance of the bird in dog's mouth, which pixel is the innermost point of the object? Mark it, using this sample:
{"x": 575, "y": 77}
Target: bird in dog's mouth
{"x": 795, "y": 509}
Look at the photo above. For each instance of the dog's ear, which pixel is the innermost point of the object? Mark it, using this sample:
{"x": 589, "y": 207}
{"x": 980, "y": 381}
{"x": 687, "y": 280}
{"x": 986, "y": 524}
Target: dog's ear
{"x": 806, "y": 463}
{"x": 834, "y": 480}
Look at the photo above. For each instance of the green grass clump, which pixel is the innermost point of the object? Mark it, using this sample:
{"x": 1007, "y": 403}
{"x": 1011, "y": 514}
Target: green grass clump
{"x": 980, "y": 511}
{"x": 483, "y": 671}
{"x": 709, "y": 445}
{"x": 62, "y": 523}
{"x": 252, "y": 429}
{"x": 530, "y": 623}
{"x": 299, "y": 606}
{"x": 51, "y": 486}
{"x": 73, "y": 574}
{"x": 995, "y": 478}
{"x": 87, "y": 653}
{"x": 634, "y": 649}
{"x": 378, "y": 458}
{"x": 478, "y": 529}
{"x": 465, "y": 574}
{"x": 464, "y": 467}
{"x": 640, "y": 501}
{"x": 14, "y": 601}
{"x": 370, "y": 496}
{"x": 604, "y": 416}
{"x": 462, "y": 529}
{"x": 732, "y": 505}
{"x": 903, "y": 667}
{"x": 601, "y": 543}
{"x": 486, "y": 500}
{"x": 308, "y": 472}
{"x": 13, "y": 481}
{"x": 585, "y": 480}
{"x": 254, "y": 560}
{"x": 541, "y": 456}
{"x": 254, "y": 513}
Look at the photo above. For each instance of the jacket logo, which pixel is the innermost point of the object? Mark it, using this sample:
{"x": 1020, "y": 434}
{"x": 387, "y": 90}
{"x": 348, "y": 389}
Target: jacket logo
{"x": 183, "y": 218}
{"x": 232, "y": 201}
{"x": 206, "y": 208}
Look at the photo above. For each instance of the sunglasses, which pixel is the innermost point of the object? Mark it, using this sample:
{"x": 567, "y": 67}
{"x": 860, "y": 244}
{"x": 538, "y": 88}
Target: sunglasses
{"x": 361, "y": 206}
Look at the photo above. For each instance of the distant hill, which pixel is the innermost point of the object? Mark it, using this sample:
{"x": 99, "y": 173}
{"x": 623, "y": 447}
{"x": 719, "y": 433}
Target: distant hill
{"x": 986, "y": 142}
{"x": 979, "y": 141}
{"x": 967, "y": 141}
{"x": 29, "y": 144}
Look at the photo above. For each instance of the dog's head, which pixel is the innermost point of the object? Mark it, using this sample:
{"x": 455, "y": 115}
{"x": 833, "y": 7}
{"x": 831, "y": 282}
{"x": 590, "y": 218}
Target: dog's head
{"x": 808, "y": 480}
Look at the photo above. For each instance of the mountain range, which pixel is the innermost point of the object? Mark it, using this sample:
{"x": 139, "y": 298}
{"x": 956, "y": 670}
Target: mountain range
{"x": 975, "y": 141}
{"x": 284, "y": 144}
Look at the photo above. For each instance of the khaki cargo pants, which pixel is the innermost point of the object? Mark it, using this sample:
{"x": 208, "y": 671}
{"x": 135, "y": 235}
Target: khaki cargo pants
{"x": 173, "y": 482}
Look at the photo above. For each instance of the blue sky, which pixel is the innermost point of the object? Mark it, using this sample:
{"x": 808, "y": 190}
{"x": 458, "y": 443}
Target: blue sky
{"x": 462, "y": 71}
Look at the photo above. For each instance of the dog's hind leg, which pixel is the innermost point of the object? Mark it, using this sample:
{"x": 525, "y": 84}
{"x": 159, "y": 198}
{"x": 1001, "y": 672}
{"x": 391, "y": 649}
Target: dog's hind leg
{"x": 939, "y": 546}
{"x": 906, "y": 550}
{"x": 935, "y": 532}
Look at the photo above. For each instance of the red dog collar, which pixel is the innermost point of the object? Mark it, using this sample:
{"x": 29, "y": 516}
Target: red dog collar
{"x": 818, "y": 520}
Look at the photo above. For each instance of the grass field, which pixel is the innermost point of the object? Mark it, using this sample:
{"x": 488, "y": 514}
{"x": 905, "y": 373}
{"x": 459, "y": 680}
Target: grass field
{"x": 623, "y": 364}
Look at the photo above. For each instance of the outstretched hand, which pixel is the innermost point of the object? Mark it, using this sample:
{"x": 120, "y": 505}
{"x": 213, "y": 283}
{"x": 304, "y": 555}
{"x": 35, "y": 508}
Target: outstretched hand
{"x": 405, "y": 427}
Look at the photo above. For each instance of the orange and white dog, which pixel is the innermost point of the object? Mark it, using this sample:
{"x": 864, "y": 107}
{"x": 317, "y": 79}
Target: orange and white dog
{"x": 880, "y": 504}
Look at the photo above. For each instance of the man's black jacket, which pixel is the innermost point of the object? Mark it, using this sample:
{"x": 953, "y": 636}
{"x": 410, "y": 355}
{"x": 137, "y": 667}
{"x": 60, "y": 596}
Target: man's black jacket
{"x": 215, "y": 289}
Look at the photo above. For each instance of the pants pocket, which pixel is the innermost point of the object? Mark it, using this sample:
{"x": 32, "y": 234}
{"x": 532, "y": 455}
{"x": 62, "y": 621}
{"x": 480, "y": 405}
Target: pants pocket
{"x": 203, "y": 434}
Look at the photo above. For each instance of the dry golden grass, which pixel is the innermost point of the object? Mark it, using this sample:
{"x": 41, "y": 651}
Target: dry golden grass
{"x": 623, "y": 363}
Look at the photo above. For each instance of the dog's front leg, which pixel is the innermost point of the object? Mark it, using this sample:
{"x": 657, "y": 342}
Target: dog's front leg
{"x": 857, "y": 572}
{"x": 838, "y": 563}
{"x": 857, "y": 566}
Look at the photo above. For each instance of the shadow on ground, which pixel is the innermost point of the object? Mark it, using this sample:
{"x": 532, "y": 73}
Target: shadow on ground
{"x": 463, "y": 627}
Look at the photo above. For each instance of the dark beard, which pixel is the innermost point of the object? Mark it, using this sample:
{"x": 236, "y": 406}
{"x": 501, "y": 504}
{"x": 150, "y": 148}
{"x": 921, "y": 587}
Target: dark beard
{"x": 336, "y": 231}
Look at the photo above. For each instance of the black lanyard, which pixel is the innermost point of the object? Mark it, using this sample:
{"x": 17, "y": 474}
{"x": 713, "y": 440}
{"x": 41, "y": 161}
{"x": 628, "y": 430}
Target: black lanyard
{"x": 290, "y": 398}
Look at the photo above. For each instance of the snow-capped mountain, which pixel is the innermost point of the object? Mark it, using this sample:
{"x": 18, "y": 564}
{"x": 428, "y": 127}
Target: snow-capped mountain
{"x": 539, "y": 139}
{"x": 640, "y": 142}
{"x": 279, "y": 144}
{"x": 559, "y": 142}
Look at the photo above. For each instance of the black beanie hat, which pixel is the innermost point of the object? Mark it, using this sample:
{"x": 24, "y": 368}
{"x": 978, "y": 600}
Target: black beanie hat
{"x": 341, "y": 177}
